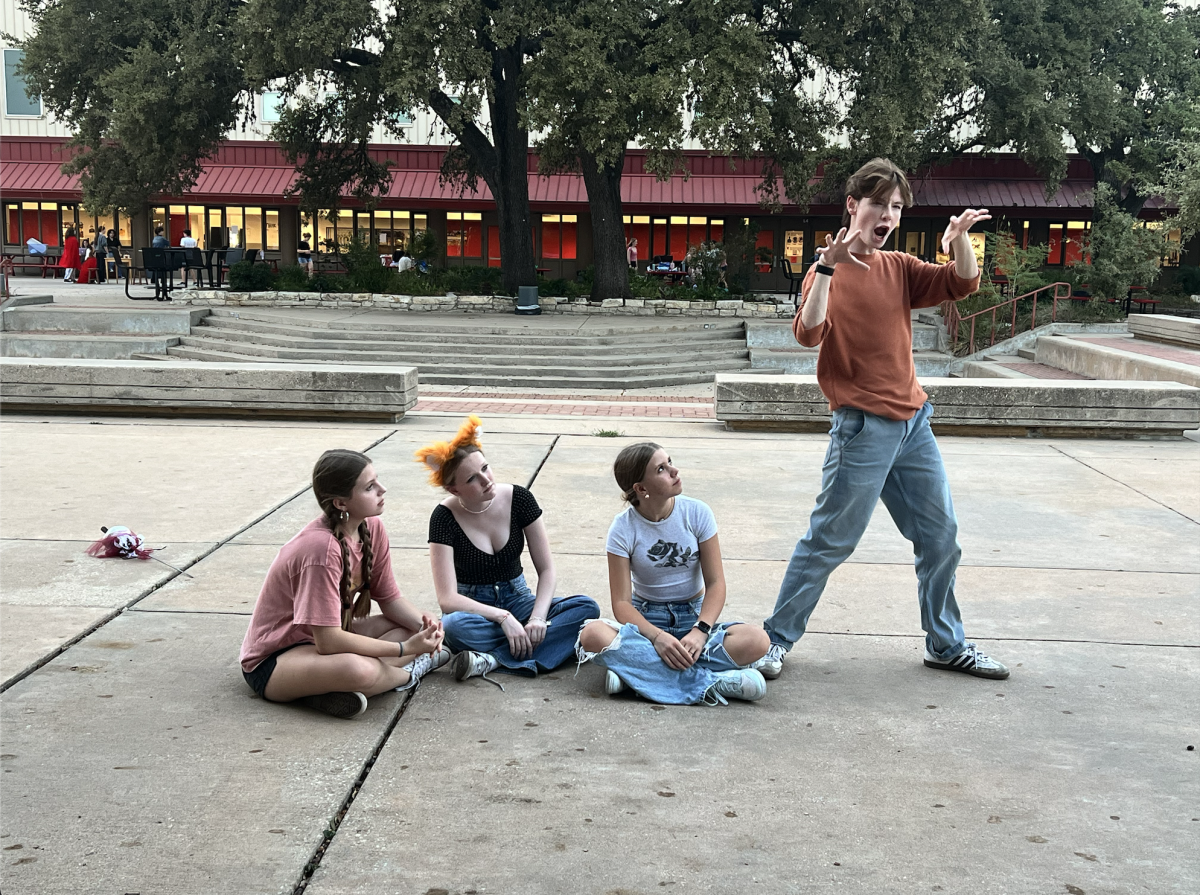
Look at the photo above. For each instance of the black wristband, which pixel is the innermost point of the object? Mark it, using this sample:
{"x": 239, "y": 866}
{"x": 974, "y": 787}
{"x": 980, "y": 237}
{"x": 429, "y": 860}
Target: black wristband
{"x": 401, "y": 656}
{"x": 825, "y": 269}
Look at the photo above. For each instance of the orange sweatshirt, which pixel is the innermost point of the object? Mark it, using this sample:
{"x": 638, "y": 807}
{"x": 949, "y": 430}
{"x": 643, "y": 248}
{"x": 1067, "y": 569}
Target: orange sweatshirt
{"x": 866, "y": 338}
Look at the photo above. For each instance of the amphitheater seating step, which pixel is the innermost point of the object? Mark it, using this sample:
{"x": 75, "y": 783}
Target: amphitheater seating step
{"x": 978, "y": 406}
{"x": 321, "y": 391}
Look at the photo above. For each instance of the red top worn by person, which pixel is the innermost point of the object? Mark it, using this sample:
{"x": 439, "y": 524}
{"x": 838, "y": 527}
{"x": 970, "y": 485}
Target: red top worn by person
{"x": 70, "y": 253}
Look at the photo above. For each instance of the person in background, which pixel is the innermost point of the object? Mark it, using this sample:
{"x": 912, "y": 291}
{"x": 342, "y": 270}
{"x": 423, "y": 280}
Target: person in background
{"x": 631, "y": 253}
{"x": 100, "y": 252}
{"x": 404, "y": 262}
{"x": 70, "y": 256}
{"x": 115, "y": 247}
{"x": 304, "y": 254}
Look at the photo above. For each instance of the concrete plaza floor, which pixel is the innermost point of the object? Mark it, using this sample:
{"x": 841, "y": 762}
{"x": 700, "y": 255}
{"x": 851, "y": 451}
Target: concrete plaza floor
{"x": 135, "y": 760}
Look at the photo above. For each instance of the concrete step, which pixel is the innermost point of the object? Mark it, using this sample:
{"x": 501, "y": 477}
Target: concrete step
{"x": 493, "y": 350}
{"x": 124, "y": 321}
{"x": 532, "y": 373}
{"x": 1166, "y": 328}
{"x": 1027, "y": 353}
{"x": 1120, "y": 357}
{"x": 322, "y": 391}
{"x": 771, "y": 334}
{"x": 978, "y": 406}
{"x": 65, "y": 345}
{"x": 418, "y": 327}
{"x": 803, "y": 361}
{"x": 993, "y": 368}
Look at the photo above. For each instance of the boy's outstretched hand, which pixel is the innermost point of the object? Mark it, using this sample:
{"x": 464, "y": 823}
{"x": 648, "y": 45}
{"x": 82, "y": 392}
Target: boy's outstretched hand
{"x": 837, "y": 249}
{"x": 961, "y": 224}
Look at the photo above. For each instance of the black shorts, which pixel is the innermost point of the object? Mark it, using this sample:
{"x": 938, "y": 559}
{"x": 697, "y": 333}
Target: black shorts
{"x": 258, "y": 678}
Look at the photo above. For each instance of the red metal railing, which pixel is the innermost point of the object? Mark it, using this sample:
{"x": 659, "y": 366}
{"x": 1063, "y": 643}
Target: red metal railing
{"x": 955, "y": 322}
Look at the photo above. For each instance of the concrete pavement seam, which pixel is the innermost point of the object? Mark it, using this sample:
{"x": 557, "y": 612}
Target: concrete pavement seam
{"x": 549, "y": 451}
{"x": 92, "y": 629}
{"x": 1127, "y": 485}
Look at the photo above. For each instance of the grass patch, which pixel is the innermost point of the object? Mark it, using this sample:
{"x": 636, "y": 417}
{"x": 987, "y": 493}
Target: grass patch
{"x": 608, "y": 433}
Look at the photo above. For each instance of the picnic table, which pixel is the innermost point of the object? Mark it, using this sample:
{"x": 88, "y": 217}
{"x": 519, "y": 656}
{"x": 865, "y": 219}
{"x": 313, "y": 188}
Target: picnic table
{"x": 160, "y": 264}
{"x": 668, "y": 276}
{"x": 1139, "y": 295}
{"x": 46, "y": 263}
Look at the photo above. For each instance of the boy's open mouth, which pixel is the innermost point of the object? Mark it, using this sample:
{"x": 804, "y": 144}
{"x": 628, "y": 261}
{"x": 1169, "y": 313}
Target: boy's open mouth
{"x": 882, "y": 231}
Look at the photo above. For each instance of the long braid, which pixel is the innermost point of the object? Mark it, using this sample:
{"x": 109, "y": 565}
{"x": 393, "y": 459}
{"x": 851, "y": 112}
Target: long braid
{"x": 362, "y": 606}
{"x": 344, "y": 584}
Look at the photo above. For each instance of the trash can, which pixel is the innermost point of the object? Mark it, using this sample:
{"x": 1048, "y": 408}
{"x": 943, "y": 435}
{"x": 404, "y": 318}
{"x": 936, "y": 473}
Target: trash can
{"x": 527, "y": 300}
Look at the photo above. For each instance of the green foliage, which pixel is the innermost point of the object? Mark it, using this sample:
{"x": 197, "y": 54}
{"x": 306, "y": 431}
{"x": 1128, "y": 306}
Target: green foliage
{"x": 1022, "y": 266}
{"x": 608, "y": 433}
{"x": 292, "y": 278}
{"x": 1189, "y": 279}
{"x": 366, "y": 272}
{"x": 1179, "y": 183}
{"x": 1123, "y": 254}
{"x": 149, "y": 87}
{"x": 248, "y": 277}
{"x": 427, "y": 247}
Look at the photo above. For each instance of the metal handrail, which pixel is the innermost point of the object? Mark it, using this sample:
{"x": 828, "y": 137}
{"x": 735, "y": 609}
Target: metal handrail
{"x": 954, "y": 320}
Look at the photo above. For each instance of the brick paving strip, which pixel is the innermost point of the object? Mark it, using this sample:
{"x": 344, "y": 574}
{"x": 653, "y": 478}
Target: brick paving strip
{"x": 1137, "y": 346}
{"x": 1042, "y": 371}
{"x": 674, "y": 407}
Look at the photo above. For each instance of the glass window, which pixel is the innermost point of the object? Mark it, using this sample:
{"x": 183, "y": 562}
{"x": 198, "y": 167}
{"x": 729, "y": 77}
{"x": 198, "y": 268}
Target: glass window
{"x": 235, "y": 228}
{"x": 272, "y": 222}
{"x": 493, "y": 246}
{"x": 678, "y": 245}
{"x": 1174, "y": 248}
{"x": 914, "y": 244}
{"x": 697, "y": 231}
{"x": 1076, "y": 234}
{"x": 362, "y": 225}
{"x": 382, "y": 221}
{"x": 716, "y": 230}
{"x": 551, "y": 236}
{"x": 978, "y": 243}
{"x": 12, "y": 225}
{"x": 54, "y": 219}
{"x": 196, "y": 216}
{"x": 272, "y": 102}
{"x": 793, "y": 247}
{"x": 214, "y": 235}
{"x": 16, "y": 100}
{"x": 570, "y": 223}
{"x": 658, "y": 238}
{"x": 764, "y": 251}
{"x": 345, "y": 226}
{"x": 638, "y": 227}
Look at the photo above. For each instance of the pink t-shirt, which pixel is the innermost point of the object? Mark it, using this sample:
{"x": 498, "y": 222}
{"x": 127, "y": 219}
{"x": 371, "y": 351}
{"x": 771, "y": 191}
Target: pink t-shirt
{"x": 303, "y": 588}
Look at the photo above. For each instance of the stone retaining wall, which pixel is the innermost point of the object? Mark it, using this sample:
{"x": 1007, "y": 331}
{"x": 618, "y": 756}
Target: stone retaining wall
{"x": 475, "y": 304}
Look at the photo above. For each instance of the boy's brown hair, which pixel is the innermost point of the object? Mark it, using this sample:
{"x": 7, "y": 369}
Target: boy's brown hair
{"x": 876, "y": 180}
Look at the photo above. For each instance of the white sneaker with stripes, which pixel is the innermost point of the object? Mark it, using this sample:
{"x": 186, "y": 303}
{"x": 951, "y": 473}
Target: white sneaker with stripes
{"x": 972, "y": 660}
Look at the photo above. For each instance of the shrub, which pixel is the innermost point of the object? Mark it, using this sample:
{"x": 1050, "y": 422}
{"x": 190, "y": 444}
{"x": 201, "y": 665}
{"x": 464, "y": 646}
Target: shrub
{"x": 292, "y": 278}
{"x": 366, "y": 272}
{"x": 247, "y": 277}
{"x": 1189, "y": 279}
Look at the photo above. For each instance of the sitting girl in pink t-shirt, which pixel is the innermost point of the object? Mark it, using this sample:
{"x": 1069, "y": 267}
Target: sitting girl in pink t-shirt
{"x": 312, "y": 637}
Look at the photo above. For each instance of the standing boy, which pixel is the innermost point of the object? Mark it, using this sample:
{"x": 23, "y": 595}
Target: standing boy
{"x": 857, "y": 303}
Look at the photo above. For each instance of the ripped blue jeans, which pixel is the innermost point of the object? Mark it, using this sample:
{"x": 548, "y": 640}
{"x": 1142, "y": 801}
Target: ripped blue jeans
{"x": 634, "y": 660}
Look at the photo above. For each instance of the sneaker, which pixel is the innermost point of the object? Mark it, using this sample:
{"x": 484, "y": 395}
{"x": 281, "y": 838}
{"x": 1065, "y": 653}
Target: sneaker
{"x": 470, "y": 664}
{"x": 972, "y": 660}
{"x": 423, "y": 664}
{"x": 613, "y": 684}
{"x": 744, "y": 683}
{"x": 340, "y": 705}
{"x": 771, "y": 665}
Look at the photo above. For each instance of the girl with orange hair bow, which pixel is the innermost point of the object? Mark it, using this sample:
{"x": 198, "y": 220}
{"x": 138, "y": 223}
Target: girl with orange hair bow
{"x": 492, "y": 620}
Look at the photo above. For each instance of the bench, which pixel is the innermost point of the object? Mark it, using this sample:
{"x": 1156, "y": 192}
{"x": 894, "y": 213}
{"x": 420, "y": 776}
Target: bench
{"x": 198, "y": 388}
{"x": 1049, "y": 408}
{"x": 44, "y": 263}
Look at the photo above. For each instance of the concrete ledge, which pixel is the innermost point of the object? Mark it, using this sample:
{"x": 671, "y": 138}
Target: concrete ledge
{"x": 977, "y": 406}
{"x": 1104, "y": 362}
{"x": 19, "y": 301}
{"x": 88, "y": 346}
{"x": 113, "y": 321}
{"x": 321, "y": 391}
{"x": 1166, "y": 328}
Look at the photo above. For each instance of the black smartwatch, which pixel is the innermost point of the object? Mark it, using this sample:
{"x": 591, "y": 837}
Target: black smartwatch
{"x": 704, "y": 627}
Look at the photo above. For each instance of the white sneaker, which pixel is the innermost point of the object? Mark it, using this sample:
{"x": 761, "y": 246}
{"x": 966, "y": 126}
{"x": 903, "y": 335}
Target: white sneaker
{"x": 743, "y": 683}
{"x": 471, "y": 664}
{"x": 771, "y": 665}
{"x": 423, "y": 664}
{"x": 972, "y": 660}
{"x": 613, "y": 684}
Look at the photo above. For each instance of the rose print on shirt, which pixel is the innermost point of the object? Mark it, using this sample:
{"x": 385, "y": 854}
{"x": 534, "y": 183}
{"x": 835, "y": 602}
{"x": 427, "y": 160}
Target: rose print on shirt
{"x": 668, "y": 555}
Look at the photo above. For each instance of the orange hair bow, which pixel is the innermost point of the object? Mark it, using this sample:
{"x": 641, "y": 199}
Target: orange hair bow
{"x": 435, "y": 455}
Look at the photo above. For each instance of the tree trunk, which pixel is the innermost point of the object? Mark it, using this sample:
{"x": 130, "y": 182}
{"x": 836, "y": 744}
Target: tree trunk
{"x": 608, "y": 229}
{"x": 511, "y": 191}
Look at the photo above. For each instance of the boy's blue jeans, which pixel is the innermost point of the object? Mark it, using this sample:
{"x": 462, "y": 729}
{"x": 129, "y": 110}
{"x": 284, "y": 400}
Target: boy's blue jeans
{"x": 871, "y": 458}
{"x": 567, "y": 615}
{"x": 634, "y": 660}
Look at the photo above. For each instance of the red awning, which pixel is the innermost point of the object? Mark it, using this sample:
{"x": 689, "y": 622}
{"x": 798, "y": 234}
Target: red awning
{"x": 958, "y": 194}
{"x": 37, "y": 180}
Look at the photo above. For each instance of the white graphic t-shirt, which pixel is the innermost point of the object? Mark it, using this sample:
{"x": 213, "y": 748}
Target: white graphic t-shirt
{"x": 664, "y": 557}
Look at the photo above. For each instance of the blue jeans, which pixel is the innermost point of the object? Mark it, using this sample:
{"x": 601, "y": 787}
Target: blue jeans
{"x": 871, "y": 458}
{"x": 567, "y": 615}
{"x": 634, "y": 660}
